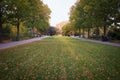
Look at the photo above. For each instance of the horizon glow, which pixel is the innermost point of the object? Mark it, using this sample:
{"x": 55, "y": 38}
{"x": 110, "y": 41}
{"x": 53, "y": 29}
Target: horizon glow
{"x": 59, "y": 10}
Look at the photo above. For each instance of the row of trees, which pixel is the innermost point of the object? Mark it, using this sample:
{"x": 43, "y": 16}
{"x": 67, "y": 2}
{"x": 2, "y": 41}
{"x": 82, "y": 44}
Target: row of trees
{"x": 68, "y": 29}
{"x": 29, "y": 13}
{"x": 95, "y": 14}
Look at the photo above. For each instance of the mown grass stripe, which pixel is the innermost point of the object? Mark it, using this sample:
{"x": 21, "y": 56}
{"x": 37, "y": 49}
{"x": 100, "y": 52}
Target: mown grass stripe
{"x": 60, "y": 58}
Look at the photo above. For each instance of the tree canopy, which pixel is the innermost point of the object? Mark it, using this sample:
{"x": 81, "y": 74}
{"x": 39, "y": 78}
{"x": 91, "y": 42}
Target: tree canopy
{"x": 95, "y": 13}
{"x": 33, "y": 13}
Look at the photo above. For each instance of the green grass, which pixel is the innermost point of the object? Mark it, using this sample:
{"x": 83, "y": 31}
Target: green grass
{"x": 60, "y": 58}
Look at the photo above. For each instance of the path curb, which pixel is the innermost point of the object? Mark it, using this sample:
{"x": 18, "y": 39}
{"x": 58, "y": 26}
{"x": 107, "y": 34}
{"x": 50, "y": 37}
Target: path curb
{"x": 96, "y": 41}
{"x": 16, "y": 43}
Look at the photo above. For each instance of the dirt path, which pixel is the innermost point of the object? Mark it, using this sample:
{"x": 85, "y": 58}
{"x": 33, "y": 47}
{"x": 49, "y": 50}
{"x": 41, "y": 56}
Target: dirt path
{"x": 15, "y": 43}
{"x": 97, "y": 41}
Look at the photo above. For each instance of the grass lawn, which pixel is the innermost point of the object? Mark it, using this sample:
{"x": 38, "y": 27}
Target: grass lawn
{"x": 60, "y": 58}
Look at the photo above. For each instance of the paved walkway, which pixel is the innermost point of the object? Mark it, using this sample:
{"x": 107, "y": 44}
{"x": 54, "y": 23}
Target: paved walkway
{"x": 15, "y": 43}
{"x": 97, "y": 41}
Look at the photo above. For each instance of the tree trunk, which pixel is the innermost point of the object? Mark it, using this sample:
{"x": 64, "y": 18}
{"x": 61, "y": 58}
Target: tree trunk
{"x": 32, "y": 31}
{"x": 18, "y": 30}
{"x": 88, "y": 32}
{"x": 33, "y": 27}
{"x": 83, "y": 33}
{"x": 1, "y": 33}
{"x": 104, "y": 30}
{"x": 79, "y": 32}
{"x": 97, "y": 32}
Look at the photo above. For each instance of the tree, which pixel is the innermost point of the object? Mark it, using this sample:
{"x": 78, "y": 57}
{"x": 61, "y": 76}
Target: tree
{"x": 30, "y": 12}
{"x": 34, "y": 13}
{"x": 77, "y": 17}
{"x": 104, "y": 11}
{"x": 19, "y": 12}
{"x": 95, "y": 13}
{"x": 52, "y": 31}
{"x": 39, "y": 16}
{"x": 3, "y": 17}
{"x": 68, "y": 29}
{"x": 0, "y": 20}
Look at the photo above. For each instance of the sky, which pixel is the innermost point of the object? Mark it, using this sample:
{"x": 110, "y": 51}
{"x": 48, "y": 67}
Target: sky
{"x": 60, "y": 10}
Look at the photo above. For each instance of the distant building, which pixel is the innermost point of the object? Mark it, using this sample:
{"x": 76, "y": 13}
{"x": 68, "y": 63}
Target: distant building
{"x": 77, "y": 1}
{"x": 60, "y": 25}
